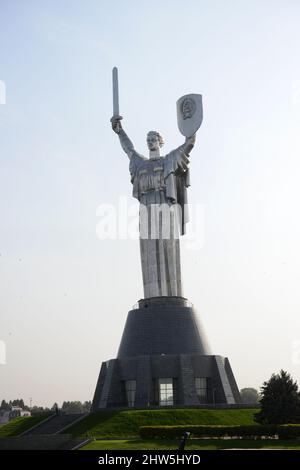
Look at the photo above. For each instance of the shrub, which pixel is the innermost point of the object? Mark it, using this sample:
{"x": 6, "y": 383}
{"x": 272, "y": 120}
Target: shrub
{"x": 172, "y": 432}
{"x": 289, "y": 431}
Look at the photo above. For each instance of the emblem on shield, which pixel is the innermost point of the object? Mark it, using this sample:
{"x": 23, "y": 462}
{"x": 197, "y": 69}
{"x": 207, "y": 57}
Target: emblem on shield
{"x": 189, "y": 114}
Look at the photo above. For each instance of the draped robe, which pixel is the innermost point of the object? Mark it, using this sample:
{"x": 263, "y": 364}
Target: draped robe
{"x": 160, "y": 184}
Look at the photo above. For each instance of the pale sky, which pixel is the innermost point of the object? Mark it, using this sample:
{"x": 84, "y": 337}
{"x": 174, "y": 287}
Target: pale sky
{"x": 64, "y": 293}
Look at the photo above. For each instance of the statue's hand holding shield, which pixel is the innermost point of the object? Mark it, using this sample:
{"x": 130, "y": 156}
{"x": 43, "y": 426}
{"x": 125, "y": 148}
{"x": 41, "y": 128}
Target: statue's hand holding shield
{"x": 189, "y": 114}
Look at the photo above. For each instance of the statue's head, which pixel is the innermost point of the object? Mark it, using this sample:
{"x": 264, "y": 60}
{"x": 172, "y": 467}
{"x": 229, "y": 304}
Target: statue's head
{"x": 154, "y": 140}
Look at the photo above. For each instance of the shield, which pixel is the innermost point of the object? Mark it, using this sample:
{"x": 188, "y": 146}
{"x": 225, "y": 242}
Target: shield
{"x": 189, "y": 114}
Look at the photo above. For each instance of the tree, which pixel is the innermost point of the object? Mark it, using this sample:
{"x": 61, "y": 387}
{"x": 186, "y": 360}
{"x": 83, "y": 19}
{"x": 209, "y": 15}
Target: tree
{"x": 87, "y": 406}
{"x": 18, "y": 402}
{"x": 249, "y": 396}
{"x": 71, "y": 407}
{"x": 4, "y": 406}
{"x": 39, "y": 409}
{"x": 280, "y": 400}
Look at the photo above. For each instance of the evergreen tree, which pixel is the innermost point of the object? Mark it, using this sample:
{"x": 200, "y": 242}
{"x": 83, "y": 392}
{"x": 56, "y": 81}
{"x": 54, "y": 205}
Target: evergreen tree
{"x": 4, "y": 406}
{"x": 18, "y": 402}
{"x": 280, "y": 400}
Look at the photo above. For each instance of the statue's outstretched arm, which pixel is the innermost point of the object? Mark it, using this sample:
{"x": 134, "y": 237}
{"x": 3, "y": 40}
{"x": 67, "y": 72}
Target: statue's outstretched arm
{"x": 125, "y": 142}
{"x": 187, "y": 147}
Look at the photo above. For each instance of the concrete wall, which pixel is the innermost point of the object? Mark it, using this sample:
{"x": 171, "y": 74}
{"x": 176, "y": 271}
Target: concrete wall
{"x": 183, "y": 368}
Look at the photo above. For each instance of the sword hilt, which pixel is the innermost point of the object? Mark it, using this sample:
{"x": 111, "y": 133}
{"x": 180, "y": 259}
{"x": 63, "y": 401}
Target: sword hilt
{"x": 116, "y": 118}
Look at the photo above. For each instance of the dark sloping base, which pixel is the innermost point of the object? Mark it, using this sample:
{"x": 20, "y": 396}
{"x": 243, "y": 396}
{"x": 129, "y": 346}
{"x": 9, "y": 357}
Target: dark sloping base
{"x": 163, "y": 325}
{"x": 183, "y": 369}
{"x": 163, "y": 339}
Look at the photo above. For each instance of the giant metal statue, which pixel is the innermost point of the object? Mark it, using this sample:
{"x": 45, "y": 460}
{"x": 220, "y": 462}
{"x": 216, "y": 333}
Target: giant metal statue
{"x": 160, "y": 184}
{"x": 164, "y": 358}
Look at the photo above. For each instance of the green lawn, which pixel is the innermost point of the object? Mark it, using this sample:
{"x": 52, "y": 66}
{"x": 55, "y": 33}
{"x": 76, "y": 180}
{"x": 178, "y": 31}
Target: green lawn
{"x": 18, "y": 425}
{"x": 195, "y": 444}
{"x": 125, "y": 424}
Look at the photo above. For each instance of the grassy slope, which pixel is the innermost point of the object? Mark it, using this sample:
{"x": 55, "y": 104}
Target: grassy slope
{"x": 118, "y": 424}
{"x": 18, "y": 425}
{"x": 198, "y": 444}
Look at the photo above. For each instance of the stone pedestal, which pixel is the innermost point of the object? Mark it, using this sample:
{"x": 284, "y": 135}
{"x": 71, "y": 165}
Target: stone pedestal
{"x": 164, "y": 360}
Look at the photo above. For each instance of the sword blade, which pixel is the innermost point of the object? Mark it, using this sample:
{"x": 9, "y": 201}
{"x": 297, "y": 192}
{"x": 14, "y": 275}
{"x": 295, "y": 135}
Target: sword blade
{"x": 115, "y": 91}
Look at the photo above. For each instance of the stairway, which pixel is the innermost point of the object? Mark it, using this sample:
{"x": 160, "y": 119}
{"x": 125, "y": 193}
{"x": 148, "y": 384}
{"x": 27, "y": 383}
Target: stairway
{"x": 42, "y": 442}
{"x": 55, "y": 424}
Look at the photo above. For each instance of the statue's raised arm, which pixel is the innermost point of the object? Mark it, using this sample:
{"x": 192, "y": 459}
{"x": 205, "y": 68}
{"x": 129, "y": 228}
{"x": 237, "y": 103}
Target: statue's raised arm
{"x": 125, "y": 142}
{"x": 188, "y": 145}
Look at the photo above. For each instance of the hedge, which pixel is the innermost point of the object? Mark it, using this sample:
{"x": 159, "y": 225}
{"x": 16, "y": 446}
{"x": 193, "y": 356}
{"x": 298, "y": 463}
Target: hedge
{"x": 289, "y": 431}
{"x": 255, "y": 430}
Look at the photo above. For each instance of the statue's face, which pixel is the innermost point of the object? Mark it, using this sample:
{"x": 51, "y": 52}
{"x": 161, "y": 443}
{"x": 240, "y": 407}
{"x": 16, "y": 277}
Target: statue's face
{"x": 152, "y": 142}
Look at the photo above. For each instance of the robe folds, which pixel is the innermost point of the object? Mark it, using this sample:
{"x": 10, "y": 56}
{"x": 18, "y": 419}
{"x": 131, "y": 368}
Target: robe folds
{"x": 160, "y": 184}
